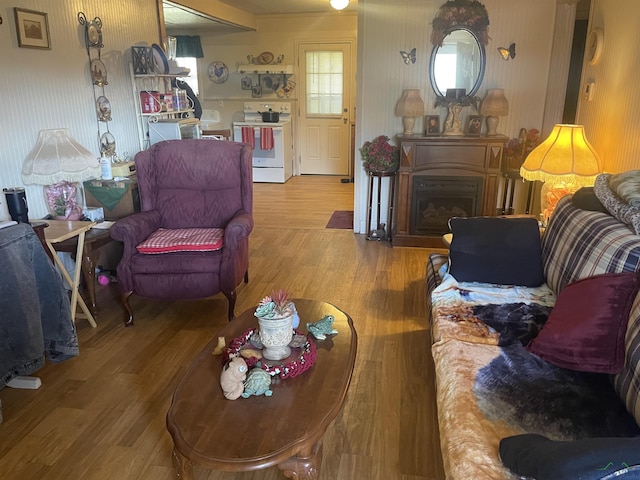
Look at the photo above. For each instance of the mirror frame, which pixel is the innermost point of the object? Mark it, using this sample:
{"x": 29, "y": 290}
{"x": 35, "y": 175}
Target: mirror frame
{"x": 483, "y": 61}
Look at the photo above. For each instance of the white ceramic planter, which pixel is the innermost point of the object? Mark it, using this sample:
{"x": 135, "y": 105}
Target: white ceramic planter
{"x": 275, "y": 336}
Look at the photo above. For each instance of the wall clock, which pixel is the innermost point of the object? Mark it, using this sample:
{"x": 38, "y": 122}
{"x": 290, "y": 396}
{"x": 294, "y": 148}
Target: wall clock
{"x": 595, "y": 44}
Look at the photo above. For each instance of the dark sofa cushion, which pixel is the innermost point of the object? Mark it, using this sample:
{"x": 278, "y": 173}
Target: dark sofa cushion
{"x": 501, "y": 250}
{"x": 585, "y": 199}
{"x": 587, "y": 325}
{"x": 536, "y": 456}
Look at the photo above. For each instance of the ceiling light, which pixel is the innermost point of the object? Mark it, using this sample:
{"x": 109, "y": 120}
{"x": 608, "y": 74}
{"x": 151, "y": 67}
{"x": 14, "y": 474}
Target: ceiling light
{"x": 339, "y": 4}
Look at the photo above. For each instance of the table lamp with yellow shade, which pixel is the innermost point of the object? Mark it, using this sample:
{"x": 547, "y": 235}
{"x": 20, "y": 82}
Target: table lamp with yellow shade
{"x": 565, "y": 161}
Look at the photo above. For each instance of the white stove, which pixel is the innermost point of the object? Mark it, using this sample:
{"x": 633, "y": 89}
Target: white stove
{"x": 272, "y": 141}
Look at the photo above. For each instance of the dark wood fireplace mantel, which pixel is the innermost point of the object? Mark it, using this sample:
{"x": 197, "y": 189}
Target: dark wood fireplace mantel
{"x": 445, "y": 157}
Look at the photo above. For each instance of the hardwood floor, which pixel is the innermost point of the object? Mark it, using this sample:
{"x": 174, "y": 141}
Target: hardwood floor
{"x": 102, "y": 415}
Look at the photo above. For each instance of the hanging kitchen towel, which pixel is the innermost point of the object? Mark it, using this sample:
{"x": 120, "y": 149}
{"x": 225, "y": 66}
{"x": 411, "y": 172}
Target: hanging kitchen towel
{"x": 266, "y": 138}
{"x": 248, "y": 136}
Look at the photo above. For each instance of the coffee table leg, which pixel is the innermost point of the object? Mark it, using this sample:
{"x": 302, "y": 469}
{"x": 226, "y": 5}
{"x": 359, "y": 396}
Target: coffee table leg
{"x": 303, "y": 467}
{"x": 184, "y": 469}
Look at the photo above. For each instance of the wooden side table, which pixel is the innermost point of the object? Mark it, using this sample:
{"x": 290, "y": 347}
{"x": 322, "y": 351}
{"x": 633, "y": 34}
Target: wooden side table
{"x": 380, "y": 233}
{"x": 59, "y": 231}
{"x": 93, "y": 240}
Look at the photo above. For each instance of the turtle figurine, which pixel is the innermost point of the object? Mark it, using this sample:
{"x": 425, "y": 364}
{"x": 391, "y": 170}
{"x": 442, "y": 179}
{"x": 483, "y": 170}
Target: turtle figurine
{"x": 257, "y": 383}
{"x": 322, "y": 327}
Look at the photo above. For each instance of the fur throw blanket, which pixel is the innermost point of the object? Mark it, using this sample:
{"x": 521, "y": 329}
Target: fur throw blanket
{"x": 535, "y": 396}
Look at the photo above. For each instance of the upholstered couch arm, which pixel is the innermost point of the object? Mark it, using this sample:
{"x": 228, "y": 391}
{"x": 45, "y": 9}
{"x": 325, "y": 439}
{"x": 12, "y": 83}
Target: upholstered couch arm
{"x": 236, "y": 250}
{"x": 131, "y": 231}
{"x": 238, "y": 229}
{"x": 135, "y": 228}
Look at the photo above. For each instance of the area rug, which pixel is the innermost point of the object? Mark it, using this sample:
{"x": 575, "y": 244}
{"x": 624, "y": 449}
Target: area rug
{"x": 341, "y": 219}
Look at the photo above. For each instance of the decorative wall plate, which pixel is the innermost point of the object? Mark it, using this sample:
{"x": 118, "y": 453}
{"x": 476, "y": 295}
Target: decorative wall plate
{"x": 218, "y": 72}
{"x": 98, "y": 73}
{"x": 160, "y": 62}
{"x": 103, "y": 108}
{"x": 94, "y": 33}
{"x": 265, "y": 58}
{"x": 107, "y": 145}
{"x": 246, "y": 83}
{"x": 595, "y": 44}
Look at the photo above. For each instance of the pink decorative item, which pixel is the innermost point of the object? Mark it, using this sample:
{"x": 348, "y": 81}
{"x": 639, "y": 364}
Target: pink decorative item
{"x": 104, "y": 279}
{"x": 62, "y": 200}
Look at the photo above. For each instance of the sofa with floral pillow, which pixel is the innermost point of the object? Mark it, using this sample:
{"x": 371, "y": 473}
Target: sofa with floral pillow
{"x": 536, "y": 341}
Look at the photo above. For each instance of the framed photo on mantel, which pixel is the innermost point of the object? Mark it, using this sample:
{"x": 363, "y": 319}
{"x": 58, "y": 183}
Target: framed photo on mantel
{"x": 432, "y": 125}
{"x": 473, "y": 125}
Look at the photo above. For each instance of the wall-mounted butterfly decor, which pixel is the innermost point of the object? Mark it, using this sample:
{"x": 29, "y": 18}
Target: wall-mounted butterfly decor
{"x": 507, "y": 53}
{"x": 409, "y": 57}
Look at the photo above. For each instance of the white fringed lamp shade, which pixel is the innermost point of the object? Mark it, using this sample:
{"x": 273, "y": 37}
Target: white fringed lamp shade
{"x": 57, "y": 157}
{"x": 564, "y": 157}
{"x": 409, "y": 107}
{"x": 565, "y": 161}
{"x": 61, "y": 164}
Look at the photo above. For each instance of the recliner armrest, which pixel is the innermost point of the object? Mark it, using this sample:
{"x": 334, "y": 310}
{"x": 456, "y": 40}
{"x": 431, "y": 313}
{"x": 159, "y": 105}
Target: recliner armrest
{"x": 238, "y": 228}
{"x": 134, "y": 229}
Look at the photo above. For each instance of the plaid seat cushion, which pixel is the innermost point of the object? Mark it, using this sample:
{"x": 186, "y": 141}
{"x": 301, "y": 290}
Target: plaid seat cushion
{"x": 578, "y": 244}
{"x": 165, "y": 240}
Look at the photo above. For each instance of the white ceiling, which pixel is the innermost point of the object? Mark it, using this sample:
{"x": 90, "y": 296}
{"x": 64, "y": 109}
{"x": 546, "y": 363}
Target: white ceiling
{"x": 176, "y": 18}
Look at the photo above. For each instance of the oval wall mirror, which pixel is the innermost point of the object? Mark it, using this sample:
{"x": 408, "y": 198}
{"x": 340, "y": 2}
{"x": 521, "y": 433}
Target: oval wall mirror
{"x": 458, "y": 63}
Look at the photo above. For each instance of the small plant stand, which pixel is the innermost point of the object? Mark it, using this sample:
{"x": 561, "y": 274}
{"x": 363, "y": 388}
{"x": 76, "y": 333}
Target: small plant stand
{"x": 382, "y": 232}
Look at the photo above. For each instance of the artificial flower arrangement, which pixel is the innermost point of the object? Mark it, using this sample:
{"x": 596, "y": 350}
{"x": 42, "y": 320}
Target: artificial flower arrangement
{"x": 517, "y": 149}
{"x": 277, "y": 305}
{"x": 468, "y": 13}
{"x": 378, "y": 155}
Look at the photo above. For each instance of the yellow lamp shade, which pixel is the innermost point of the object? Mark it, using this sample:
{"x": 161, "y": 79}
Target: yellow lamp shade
{"x": 564, "y": 157}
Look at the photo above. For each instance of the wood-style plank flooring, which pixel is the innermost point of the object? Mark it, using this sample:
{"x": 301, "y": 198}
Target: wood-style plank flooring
{"x": 101, "y": 416}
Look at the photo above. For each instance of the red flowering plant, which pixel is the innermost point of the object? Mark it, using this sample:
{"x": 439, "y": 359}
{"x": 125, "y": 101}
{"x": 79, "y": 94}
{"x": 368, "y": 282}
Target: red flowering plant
{"x": 378, "y": 155}
{"x": 517, "y": 149}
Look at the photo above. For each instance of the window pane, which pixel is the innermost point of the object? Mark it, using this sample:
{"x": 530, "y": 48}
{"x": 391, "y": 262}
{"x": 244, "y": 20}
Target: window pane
{"x": 324, "y": 82}
{"x": 192, "y": 64}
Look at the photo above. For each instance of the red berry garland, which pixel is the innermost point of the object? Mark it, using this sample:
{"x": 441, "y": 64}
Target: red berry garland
{"x": 287, "y": 370}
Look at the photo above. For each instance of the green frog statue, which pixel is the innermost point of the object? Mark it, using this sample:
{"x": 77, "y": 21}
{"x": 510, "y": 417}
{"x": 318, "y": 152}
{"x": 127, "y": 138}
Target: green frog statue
{"x": 322, "y": 327}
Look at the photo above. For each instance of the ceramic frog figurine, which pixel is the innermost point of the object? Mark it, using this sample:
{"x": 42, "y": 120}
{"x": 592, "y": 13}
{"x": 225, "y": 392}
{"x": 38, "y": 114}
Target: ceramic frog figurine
{"x": 257, "y": 383}
{"x": 322, "y": 327}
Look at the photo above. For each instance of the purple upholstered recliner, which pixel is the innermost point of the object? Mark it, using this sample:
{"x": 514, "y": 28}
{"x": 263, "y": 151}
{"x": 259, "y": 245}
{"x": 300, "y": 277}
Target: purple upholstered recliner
{"x": 188, "y": 184}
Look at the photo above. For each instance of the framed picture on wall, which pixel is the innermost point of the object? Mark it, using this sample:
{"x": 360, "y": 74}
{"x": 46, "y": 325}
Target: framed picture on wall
{"x": 432, "y": 125}
{"x": 32, "y": 28}
{"x": 473, "y": 125}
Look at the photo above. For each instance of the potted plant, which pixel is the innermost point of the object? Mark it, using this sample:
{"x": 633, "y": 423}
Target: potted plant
{"x": 379, "y": 156}
{"x": 275, "y": 318}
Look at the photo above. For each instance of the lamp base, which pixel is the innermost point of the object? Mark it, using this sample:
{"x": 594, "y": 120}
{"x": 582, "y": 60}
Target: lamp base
{"x": 64, "y": 200}
{"x": 408, "y": 124}
{"x": 550, "y": 195}
{"x": 492, "y": 126}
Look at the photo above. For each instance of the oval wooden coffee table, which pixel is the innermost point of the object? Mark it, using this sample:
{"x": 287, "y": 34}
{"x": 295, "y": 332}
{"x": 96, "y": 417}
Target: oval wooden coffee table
{"x": 285, "y": 429}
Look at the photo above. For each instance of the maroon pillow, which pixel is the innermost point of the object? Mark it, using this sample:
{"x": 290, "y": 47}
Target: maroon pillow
{"x": 587, "y": 325}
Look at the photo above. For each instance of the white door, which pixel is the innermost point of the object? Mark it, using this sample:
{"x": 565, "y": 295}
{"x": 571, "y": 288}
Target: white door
{"x": 325, "y": 106}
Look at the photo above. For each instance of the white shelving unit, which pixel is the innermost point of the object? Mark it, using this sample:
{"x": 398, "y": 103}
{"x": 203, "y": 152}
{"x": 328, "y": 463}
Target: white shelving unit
{"x": 159, "y": 83}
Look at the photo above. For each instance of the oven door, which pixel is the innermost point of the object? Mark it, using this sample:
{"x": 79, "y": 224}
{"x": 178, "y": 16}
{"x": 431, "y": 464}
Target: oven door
{"x": 271, "y": 157}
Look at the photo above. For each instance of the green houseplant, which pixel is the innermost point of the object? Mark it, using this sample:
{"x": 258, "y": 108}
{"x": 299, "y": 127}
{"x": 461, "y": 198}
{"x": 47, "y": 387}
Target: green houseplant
{"x": 378, "y": 155}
